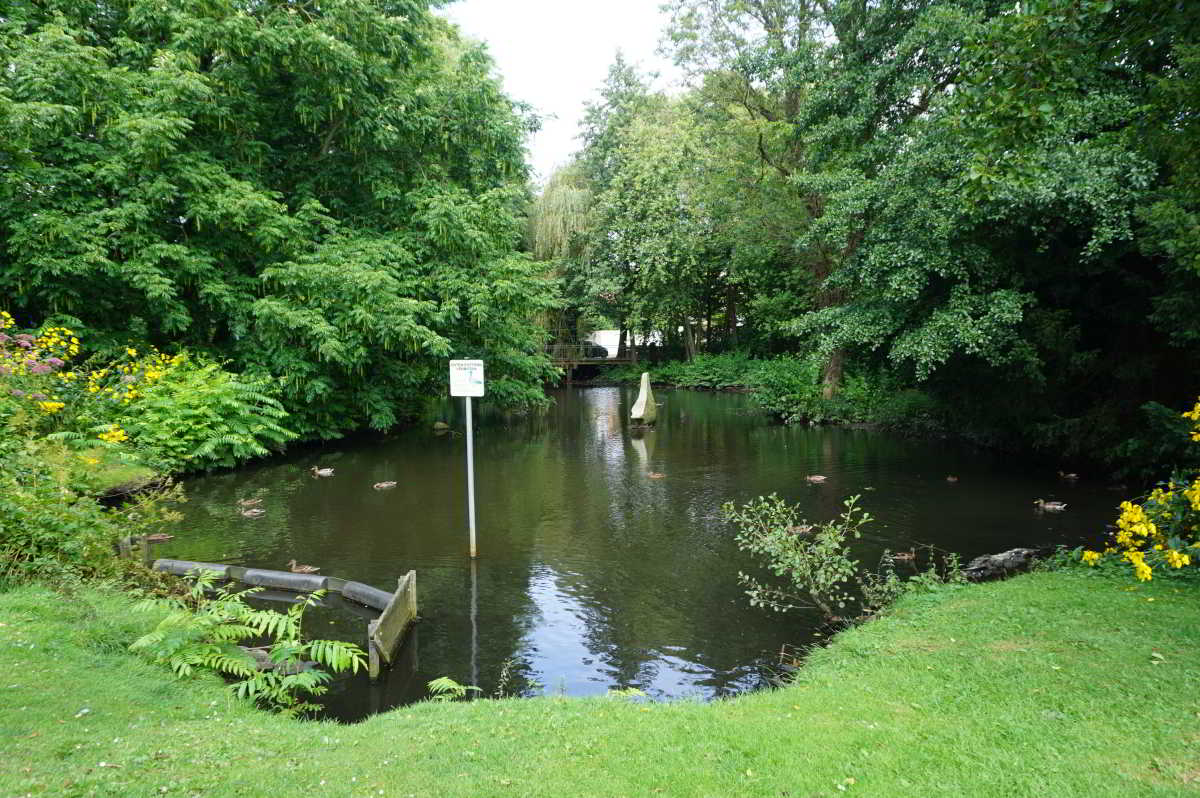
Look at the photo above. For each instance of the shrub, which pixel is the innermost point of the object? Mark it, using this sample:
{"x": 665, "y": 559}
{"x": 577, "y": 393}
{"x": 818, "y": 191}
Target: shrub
{"x": 714, "y": 372}
{"x": 1163, "y": 530}
{"x": 178, "y": 412}
{"x": 203, "y": 631}
{"x": 812, "y": 559}
{"x": 788, "y": 387}
{"x": 200, "y": 416}
{"x": 47, "y": 528}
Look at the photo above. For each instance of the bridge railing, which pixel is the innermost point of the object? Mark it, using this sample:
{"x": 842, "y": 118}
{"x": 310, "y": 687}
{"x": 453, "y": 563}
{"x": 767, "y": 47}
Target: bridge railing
{"x": 575, "y": 353}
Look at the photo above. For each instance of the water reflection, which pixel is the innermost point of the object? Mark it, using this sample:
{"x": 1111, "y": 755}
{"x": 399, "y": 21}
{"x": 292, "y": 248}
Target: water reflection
{"x": 603, "y": 558}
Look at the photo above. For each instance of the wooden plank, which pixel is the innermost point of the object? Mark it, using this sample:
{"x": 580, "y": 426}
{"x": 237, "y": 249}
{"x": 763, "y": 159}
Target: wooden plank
{"x": 386, "y": 633}
{"x": 374, "y": 660}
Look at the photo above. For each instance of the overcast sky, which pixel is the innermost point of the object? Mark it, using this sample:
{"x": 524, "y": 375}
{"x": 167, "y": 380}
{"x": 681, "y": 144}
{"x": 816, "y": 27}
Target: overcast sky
{"x": 554, "y": 55}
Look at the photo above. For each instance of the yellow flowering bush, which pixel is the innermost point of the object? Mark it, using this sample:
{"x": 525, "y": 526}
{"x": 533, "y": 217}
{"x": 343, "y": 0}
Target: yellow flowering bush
{"x": 177, "y": 412}
{"x": 32, "y": 376}
{"x": 1163, "y": 530}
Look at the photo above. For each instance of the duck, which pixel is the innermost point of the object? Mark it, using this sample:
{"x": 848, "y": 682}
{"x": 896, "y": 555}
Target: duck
{"x": 158, "y": 537}
{"x": 655, "y": 475}
{"x": 253, "y": 512}
{"x": 297, "y": 568}
{"x": 815, "y": 478}
{"x": 951, "y": 478}
{"x": 905, "y": 556}
{"x": 1050, "y": 507}
{"x": 321, "y": 472}
{"x": 249, "y": 502}
{"x": 384, "y": 485}
{"x": 1067, "y": 477}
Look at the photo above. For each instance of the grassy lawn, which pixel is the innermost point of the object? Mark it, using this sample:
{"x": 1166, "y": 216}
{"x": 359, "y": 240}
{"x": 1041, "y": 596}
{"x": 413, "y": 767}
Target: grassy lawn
{"x": 1063, "y": 683}
{"x": 110, "y": 469}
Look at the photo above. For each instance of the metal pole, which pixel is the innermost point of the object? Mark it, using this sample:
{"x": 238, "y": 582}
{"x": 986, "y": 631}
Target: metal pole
{"x": 471, "y": 476}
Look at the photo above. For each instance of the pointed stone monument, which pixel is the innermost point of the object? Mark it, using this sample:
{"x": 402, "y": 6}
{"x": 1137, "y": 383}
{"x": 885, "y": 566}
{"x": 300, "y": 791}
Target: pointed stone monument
{"x": 645, "y": 411}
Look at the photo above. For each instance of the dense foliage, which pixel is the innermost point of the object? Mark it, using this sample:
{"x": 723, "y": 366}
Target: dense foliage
{"x": 949, "y": 193}
{"x": 790, "y": 388}
{"x": 325, "y": 193}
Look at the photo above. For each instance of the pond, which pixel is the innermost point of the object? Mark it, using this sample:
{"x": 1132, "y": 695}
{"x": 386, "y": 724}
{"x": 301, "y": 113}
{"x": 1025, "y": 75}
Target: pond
{"x": 604, "y": 562}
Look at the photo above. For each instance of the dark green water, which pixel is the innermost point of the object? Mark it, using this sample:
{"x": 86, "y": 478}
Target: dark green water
{"x": 593, "y": 574}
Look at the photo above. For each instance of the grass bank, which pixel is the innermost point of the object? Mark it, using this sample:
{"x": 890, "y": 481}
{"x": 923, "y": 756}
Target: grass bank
{"x": 1064, "y": 683}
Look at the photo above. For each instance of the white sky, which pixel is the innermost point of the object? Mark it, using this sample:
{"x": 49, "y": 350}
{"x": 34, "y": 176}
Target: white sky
{"x": 555, "y": 54}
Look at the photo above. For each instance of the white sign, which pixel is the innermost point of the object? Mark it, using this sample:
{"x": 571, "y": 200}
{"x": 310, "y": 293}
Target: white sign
{"x": 466, "y": 378}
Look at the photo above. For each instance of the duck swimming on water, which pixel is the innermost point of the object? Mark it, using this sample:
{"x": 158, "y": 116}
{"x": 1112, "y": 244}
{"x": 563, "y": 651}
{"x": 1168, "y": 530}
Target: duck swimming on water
{"x": 297, "y": 568}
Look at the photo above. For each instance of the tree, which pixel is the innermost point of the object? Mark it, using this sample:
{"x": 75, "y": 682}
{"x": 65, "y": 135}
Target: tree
{"x": 329, "y": 193}
{"x": 601, "y": 281}
{"x": 558, "y": 225}
{"x": 830, "y": 89}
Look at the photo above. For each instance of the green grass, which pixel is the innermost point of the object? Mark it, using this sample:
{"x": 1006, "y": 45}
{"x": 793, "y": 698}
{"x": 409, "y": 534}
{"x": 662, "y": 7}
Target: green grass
{"x": 108, "y": 469}
{"x": 1064, "y": 683}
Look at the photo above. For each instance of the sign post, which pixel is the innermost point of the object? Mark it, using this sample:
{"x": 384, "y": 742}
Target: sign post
{"x": 466, "y": 380}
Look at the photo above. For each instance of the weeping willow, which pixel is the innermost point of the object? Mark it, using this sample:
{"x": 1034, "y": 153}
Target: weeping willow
{"x": 559, "y": 215}
{"x": 558, "y": 219}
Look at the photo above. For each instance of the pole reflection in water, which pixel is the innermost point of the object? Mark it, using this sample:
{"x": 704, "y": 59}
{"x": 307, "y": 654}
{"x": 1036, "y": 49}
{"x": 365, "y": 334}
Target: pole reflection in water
{"x": 474, "y": 621}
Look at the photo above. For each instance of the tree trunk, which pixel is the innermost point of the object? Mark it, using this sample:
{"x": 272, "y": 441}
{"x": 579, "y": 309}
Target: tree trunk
{"x": 708, "y": 314}
{"x": 689, "y": 339}
{"x": 831, "y": 375}
{"x": 621, "y": 343}
{"x": 731, "y": 340}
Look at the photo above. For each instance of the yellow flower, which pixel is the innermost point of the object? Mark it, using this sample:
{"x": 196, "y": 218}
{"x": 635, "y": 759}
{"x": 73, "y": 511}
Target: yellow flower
{"x": 114, "y": 434}
{"x": 51, "y": 407}
{"x": 1177, "y": 559}
{"x": 1092, "y": 557}
{"x": 131, "y": 351}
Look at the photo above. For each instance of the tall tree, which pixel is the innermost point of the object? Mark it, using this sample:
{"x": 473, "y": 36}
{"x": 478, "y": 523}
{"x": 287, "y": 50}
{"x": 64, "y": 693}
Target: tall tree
{"x": 602, "y": 281}
{"x": 830, "y": 89}
{"x": 326, "y": 192}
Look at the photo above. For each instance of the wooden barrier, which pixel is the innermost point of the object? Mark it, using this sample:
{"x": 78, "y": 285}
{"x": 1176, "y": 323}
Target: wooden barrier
{"x": 384, "y": 634}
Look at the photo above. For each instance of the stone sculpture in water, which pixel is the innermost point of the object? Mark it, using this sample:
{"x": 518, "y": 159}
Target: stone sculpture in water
{"x": 645, "y": 411}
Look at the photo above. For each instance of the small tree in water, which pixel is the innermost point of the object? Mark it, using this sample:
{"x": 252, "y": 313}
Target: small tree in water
{"x": 813, "y": 559}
